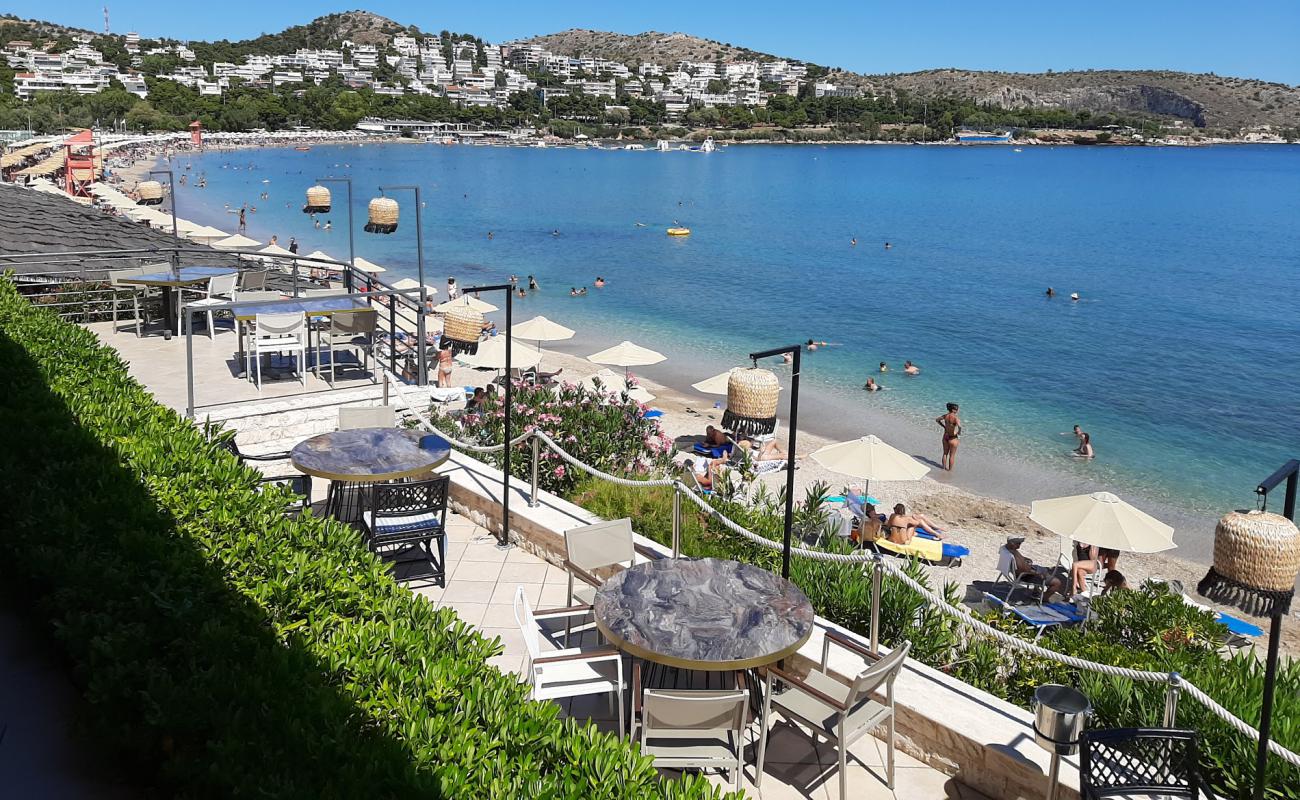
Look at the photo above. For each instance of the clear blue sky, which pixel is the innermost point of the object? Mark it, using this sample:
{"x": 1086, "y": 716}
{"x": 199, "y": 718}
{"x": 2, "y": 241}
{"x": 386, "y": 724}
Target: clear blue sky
{"x": 1251, "y": 38}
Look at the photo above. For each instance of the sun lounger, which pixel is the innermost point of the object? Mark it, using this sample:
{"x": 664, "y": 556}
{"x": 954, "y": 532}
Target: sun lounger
{"x": 1041, "y": 617}
{"x": 925, "y": 546}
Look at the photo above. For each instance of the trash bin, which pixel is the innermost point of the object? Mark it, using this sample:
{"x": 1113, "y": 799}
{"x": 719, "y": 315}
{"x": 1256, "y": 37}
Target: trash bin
{"x": 1059, "y": 716}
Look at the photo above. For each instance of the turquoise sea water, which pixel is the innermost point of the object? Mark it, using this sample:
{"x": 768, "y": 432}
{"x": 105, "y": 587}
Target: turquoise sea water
{"x": 1182, "y": 359}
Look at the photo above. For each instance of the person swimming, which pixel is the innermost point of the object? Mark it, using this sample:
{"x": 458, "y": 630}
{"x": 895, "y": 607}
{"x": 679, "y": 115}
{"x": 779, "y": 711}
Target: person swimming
{"x": 1051, "y": 292}
{"x": 853, "y": 242}
{"x": 871, "y": 385}
{"x": 600, "y": 282}
{"x": 1074, "y": 296}
{"x": 910, "y": 368}
{"x": 884, "y": 367}
{"x": 888, "y": 246}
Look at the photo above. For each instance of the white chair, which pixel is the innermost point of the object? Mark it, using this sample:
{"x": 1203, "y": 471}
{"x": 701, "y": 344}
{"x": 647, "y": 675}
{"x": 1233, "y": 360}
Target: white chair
{"x": 278, "y": 333}
{"x": 353, "y": 417}
{"x": 692, "y": 728}
{"x": 573, "y": 671}
{"x": 1035, "y": 583}
{"x": 591, "y": 548}
{"x": 840, "y": 713}
{"x": 118, "y": 289}
{"x": 221, "y": 290}
{"x": 348, "y": 329}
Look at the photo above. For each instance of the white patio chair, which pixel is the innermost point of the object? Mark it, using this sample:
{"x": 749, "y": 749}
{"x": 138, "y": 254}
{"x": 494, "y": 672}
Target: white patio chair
{"x": 692, "y": 728}
{"x": 573, "y": 671}
{"x": 348, "y": 329}
{"x": 1007, "y": 574}
{"x": 589, "y": 549}
{"x": 278, "y": 333}
{"x": 840, "y": 713}
{"x": 353, "y": 417}
{"x": 220, "y": 290}
{"x": 119, "y": 292}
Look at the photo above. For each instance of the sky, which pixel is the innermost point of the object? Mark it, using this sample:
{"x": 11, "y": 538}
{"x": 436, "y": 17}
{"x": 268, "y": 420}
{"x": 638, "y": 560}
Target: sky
{"x": 1247, "y": 38}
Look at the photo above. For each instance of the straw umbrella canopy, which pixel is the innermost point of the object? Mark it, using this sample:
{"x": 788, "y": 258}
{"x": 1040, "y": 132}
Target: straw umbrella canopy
{"x": 1103, "y": 520}
{"x": 236, "y": 242}
{"x": 871, "y": 459}
{"x": 610, "y": 382}
{"x": 205, "y": 234}
{"x": 491, "y": 354}
{"x": 462, "y": 301}
{"x": 626, "y": 355}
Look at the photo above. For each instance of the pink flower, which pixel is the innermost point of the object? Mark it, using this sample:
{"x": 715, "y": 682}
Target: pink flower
{"x": 559, "y": 471}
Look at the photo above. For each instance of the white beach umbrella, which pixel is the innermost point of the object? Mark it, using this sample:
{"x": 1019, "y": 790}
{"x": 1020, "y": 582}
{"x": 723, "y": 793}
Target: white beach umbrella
{"x": 274, "y": 250}
{"x": 870, "y": 458}
{"x": 715, "y": 385}
{"x": 1103, "y": 520}
{"x": 236, "y": 242}
{"x": 462, "y": 301}
{"x": 205, "y": 234}
{"x": 541, "y": 329}
{"x": 611, "y": 382}
{"x": 626, "y": 355}
{"x": 492, "y": 355}
{"x": 139, "y": 213}
{"x": 362, "y": 265}
{"x": 409, "y": 283}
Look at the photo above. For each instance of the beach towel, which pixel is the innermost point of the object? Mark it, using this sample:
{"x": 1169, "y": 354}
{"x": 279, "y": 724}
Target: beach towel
{"x": 712, "y": 451}
{"x": 926, "y": 546}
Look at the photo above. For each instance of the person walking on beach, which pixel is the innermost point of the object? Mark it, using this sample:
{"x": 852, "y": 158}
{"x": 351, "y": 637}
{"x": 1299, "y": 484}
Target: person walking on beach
{"x": 444, "y": 365}
{"x": 243, "y": 222}
{"x": 951, "y": 424}
{"x": 453, "y": 291}
{"x": 293, "y": 245}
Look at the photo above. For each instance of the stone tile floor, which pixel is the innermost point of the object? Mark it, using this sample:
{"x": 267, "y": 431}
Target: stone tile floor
{"x": 481, "y": 584}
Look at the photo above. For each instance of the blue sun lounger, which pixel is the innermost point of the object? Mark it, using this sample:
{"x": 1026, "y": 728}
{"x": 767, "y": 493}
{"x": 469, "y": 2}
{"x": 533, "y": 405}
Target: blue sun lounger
{"x": 1041, "y": 617}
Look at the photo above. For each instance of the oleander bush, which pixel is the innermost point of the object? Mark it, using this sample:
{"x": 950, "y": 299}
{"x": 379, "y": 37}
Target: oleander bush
{"x": 1145, "y": 629}
{"x": 224, "y": 650}
{"x": 604, "y": 428}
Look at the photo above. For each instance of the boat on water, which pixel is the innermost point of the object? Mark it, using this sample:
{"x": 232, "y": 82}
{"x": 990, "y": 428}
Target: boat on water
{"x": 633, "y": 147}
{"x": 302, "y": 148}
{"x": 679, "y": 231}
{"x": 983, "y": 137}
{"x": 708, "y": 146}
{"x": 662, "y": 146}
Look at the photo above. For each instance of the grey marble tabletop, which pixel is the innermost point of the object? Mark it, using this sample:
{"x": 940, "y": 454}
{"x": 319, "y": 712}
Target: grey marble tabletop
{"x": 370, "y": 455}
{"x": 707, "y": 614}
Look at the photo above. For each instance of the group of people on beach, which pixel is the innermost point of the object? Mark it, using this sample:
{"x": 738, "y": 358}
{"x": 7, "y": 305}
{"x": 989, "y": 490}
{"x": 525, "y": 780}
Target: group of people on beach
{"x": 1088, "y": 558}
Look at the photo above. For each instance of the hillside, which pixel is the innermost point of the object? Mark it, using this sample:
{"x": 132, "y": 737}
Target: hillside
{"x": 1204, "y": 100}
{"x": 651, "y": 46}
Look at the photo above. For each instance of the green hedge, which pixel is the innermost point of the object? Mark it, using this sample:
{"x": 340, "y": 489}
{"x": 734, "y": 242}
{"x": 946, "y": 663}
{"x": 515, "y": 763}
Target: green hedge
{"x": 225, "y": 651}
{"x": 1147, "y": 629}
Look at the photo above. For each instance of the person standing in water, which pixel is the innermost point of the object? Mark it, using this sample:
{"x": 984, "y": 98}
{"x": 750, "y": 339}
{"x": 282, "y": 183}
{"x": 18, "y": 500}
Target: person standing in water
{"x": 951, "y": 424}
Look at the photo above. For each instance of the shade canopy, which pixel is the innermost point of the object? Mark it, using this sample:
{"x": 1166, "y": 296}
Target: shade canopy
{"x": 236, "y": 242}
{"x": 274, "y": 250}
{"x": 138, "y": 213}
{"x": 491, "y": 354}
{"x": 872, "y": 459}
{"x": 611, "y": 382}
{"x": 1103, "y": 520}
{"x": 465, "y": 300}
{"x": 715, "y": 385}
{"x": 541, "y": 329}
{"x": 321, "y": 255}
{"x": 205, "y": 234}
{"x": 626, "y": 354}
{"x": 362, "y": 265}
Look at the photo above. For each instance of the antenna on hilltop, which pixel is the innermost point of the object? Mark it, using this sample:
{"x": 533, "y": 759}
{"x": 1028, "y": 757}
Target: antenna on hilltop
{"x": 106, "y": 20}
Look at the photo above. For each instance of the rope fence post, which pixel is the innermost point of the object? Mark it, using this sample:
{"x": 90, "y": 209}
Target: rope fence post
{"x": 677, "y": 521}
{"x": 875, "y": 605}
{"x": 532, "y": 494}
{"x": 1171, "y": 699}
{"x": 385, "y": 387}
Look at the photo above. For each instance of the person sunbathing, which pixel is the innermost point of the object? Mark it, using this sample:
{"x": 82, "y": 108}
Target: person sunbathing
{"x": 1024, "y": 568}
{"x": 704, "y": 471}
{"x": 715, "y": 437}
{"x": 764, "y": 451}
{"x": 868, "y": 527}
{"x": 902, "y": 526}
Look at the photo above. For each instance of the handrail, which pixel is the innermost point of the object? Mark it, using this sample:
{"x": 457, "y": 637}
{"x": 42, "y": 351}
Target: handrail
{"x": 964, "y": 617}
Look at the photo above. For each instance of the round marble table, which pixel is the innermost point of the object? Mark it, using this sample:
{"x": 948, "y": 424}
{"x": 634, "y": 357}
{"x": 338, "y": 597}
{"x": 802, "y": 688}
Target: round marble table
{"x": 703, "y": 614}
{"x": 370, "y": 455}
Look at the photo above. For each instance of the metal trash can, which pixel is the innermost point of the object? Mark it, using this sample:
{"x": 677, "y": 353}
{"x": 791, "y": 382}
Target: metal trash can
{"x": 1059, "y": 716}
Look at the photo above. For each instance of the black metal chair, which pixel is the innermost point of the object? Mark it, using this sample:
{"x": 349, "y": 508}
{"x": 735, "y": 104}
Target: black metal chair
{"x": 401, "y": 518}
{"x": 1139, "y": 762}
{"x": 300, "y": 485}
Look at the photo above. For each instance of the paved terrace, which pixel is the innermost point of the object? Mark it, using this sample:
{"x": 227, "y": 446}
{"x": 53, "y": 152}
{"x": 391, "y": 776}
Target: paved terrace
{"x": 482, "y": 577}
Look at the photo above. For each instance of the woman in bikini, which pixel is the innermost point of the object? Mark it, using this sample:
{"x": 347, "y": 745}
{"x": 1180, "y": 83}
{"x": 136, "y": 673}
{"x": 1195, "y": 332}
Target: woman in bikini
{"x": 444, "y": 365}
{"x": 951, "y": 424}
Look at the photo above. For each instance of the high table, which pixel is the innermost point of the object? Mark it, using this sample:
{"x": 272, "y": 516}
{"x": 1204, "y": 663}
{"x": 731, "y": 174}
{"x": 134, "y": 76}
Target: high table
{"x": 310, "y": 306}
{"x": 703, "y": 614}
{"x": 369, "y": 455}
{"x": 171, "y": 281}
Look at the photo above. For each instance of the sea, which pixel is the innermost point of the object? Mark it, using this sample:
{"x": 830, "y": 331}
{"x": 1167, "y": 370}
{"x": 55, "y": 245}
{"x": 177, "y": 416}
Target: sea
{"x": 1181, "y": 357}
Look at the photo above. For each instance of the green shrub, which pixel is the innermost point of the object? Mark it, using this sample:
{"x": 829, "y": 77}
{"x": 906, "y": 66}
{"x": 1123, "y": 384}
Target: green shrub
{"x": 1144, "y": 629}
{"x": 226, "y": 651}
{"x": 605, "y": 429}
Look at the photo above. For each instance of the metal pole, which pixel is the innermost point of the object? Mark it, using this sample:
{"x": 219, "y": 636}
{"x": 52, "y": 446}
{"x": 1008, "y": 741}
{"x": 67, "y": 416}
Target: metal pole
{"x": 1266, "y": 713}
{"x": 677, "y": 521}
{"x": 537, "y": 447}
{"x": 1054, "y": 776}
{"x": 392, "y": 333}
{"x": 419, "y": 237}
{"x": 171, "y": 188}
{"x": 422, "y": 366}
{"x": 386, "y": 388}
{"x": 505, "y": 497}
{"x": 189, "y": 368}
{"x": 790, "y": 456}
{"x": 1171, "y": 699}
{"x": 875, "y": 604}
{"x": 352, "y": 246}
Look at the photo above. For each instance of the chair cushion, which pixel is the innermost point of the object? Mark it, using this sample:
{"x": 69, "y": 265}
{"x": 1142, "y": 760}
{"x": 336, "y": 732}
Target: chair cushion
{"x": 408, "y": 523}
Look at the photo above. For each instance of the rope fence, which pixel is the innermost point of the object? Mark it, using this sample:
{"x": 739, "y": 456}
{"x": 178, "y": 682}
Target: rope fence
{"x": 963, "y": 616}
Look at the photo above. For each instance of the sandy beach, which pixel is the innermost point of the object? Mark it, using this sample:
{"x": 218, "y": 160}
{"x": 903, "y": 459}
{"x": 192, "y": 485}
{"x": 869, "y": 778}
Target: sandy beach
{"x": 979, "y": 522}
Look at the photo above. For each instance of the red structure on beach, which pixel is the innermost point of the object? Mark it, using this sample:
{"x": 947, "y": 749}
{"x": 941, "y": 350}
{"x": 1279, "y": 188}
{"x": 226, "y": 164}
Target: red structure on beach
{"x": 196, "y": 133}
{"x": 79, "y": 164}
